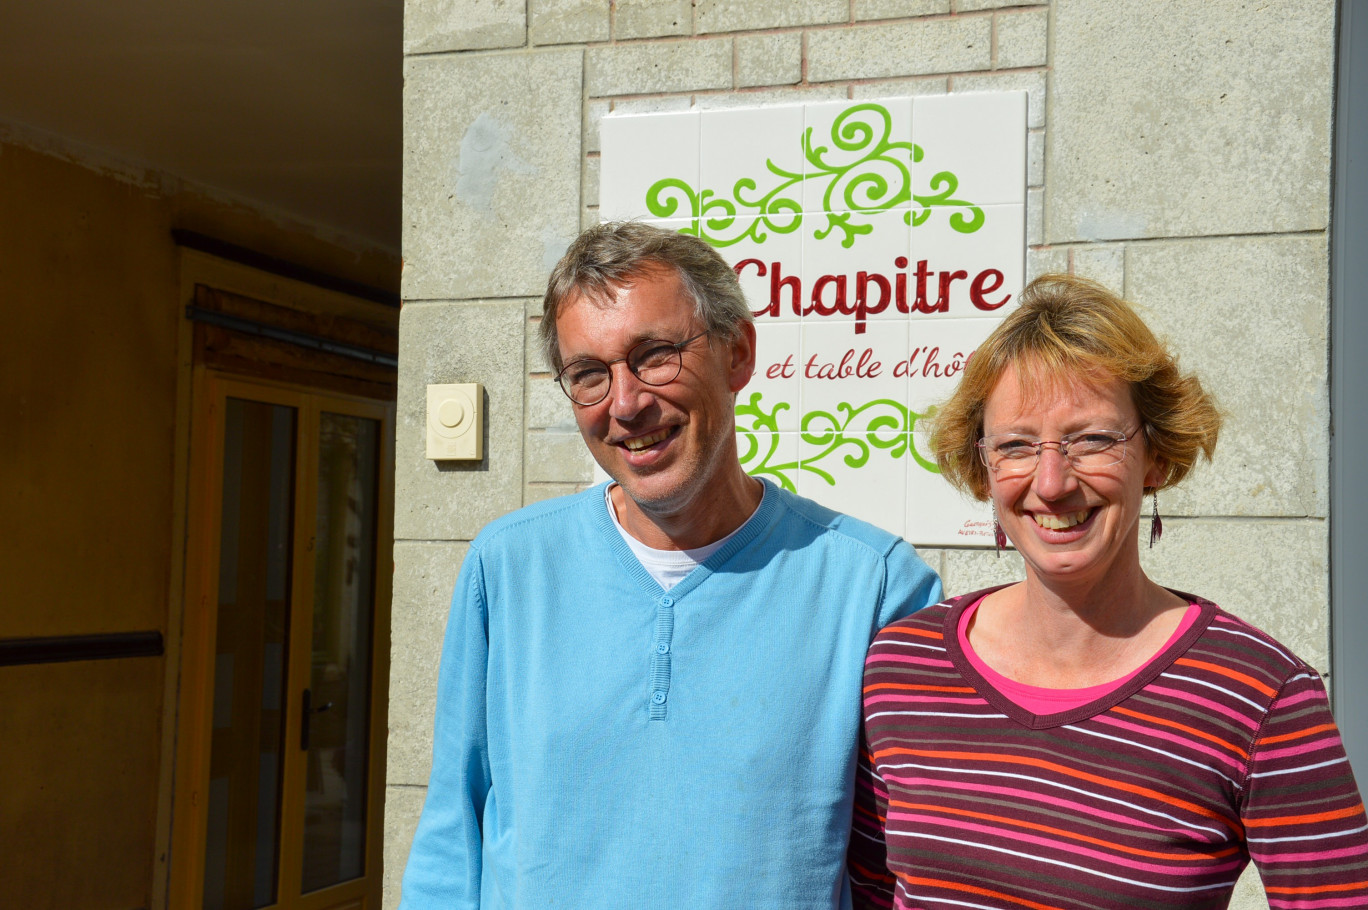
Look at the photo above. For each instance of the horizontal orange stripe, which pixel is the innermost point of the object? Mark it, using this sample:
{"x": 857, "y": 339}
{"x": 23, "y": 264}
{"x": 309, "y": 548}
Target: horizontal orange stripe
{"x": 1316, "y": 889}
{"x": 878, "y": 875}
{"x": 1304, "y": 819}
{"x": 975, "y": 889}
{"x": 924, "y": 633}
{"x": 1173, "y": 724}
{"x": 916, "y": 688}
{"x": 1061, "y": 832}
{"x": 1298, "y": 734}
{"x": 1228, "y": 673}
{"x": 872, "y": 816}
{"x": 1068, "y": 772}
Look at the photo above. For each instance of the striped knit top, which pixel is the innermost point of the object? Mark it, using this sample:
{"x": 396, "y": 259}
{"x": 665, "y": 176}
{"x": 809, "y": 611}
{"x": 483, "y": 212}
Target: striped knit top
{"x": 1220, "y": 750}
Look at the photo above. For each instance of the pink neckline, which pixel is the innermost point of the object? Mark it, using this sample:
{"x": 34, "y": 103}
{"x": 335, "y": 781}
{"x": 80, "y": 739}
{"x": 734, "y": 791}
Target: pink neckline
{"x": 1042, "y": 701}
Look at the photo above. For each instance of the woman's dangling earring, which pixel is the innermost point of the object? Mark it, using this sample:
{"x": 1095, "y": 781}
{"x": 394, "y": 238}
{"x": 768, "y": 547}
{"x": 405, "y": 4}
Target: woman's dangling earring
{"x": 999, "y": 535}
{"x": 1156, "y": 523}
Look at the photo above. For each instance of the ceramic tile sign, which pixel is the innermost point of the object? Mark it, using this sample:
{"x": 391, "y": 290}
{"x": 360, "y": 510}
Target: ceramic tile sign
{"x": 878, "y": 243}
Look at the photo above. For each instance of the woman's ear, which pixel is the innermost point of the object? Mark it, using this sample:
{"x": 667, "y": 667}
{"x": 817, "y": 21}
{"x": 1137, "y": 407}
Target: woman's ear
{"x": 1157, "y": 473}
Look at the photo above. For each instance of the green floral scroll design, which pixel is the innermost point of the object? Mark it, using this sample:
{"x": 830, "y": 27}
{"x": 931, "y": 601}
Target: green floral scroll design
{"x": 864, "y": 172}
{"x": 854, "y": 433}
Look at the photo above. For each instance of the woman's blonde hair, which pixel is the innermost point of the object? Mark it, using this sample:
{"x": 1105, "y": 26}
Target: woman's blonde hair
{"x": 1068, "y": 327}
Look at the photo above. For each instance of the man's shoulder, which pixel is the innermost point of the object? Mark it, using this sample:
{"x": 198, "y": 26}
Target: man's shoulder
{"x": 859, "y": 553}
{"x": 837, "y": 526}
{"x": 551, "y": 517}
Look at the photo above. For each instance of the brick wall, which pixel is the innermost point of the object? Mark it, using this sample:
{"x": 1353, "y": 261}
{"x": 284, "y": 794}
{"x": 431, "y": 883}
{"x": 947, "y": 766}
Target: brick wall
{"x": 1179, "y": 153}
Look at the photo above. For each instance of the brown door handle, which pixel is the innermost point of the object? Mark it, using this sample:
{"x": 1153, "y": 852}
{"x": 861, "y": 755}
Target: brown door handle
{"x": 307, "y": 716}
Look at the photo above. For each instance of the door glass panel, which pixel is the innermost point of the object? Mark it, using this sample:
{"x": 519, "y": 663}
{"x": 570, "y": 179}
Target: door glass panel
{"x": 246, "y": 760}
{"x": 344, "y": 601}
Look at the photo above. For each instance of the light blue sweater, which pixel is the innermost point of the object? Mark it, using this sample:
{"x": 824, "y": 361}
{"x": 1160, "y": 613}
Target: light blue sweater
{"x": 601, "y": 743}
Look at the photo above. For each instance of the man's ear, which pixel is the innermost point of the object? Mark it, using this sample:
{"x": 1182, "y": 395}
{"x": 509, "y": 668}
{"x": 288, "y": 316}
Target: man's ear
{"x": 742, "y": 357}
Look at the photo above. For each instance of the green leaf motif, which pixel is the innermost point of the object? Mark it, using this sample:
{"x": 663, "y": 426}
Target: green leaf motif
{"x": 855, "y": 433}
{"x": 863, "y": 171}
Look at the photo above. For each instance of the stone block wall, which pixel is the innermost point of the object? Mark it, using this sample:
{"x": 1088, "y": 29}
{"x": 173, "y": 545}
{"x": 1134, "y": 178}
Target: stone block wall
{"x": 1179, "y": 153}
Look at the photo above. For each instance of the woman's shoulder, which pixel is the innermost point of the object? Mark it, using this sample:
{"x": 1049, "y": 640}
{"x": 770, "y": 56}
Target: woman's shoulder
{"x": 931, "y": 621}
{"x": 1241, "y": 649}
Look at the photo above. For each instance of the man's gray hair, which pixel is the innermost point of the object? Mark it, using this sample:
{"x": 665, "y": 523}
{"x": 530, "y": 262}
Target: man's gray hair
{"x": 614, "y": 253}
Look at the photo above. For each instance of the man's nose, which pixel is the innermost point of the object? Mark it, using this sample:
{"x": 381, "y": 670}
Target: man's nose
{"x": 628, "y": 394}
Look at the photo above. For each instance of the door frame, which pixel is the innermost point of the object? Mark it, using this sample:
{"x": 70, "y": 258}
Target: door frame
{"x": 1348, "y": 375}
{"x": 197, "y": 267}
{"x": 194, "y": 728}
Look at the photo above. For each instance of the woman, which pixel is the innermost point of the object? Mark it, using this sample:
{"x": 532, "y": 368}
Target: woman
{"x": 1086, "y": 738}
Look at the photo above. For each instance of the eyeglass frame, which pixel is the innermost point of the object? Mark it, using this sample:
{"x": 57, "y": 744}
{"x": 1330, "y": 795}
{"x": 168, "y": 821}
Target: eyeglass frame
{"x": 1062, "y": 446}
{"x": 608, "y": 366}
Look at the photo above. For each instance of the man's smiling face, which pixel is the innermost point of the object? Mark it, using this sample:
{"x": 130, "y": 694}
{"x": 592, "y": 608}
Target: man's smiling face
{"x": 664, "y": 445}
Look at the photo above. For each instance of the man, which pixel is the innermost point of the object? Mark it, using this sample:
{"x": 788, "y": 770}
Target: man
{"x": 650, "y": 691}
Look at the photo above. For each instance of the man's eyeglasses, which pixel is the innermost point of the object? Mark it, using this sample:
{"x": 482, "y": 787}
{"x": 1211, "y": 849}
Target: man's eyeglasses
{"x": 1010, "y": 454}
{"x": 653, "y": 361}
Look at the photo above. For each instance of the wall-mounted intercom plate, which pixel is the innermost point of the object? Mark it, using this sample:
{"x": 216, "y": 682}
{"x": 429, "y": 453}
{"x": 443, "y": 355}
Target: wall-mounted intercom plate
{"x": 455, "y": 428}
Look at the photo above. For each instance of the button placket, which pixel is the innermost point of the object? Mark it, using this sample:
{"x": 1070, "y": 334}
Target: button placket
{"x": 660, "y": 658}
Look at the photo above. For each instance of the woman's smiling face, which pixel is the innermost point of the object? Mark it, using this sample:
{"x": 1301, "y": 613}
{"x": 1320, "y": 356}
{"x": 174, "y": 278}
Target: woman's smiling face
{"x": 1072, "y": 525}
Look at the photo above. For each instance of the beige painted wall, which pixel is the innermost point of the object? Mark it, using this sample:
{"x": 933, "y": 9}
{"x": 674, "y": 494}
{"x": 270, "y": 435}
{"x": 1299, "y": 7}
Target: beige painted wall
{"x": 89, "y": 438}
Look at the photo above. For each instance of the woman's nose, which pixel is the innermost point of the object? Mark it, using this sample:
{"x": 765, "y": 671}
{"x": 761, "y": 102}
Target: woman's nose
{"x": 1054, "y": 476}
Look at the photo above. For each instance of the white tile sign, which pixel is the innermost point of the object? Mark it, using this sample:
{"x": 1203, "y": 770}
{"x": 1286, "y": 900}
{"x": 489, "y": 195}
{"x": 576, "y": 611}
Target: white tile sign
{"x": 878, "y": 243}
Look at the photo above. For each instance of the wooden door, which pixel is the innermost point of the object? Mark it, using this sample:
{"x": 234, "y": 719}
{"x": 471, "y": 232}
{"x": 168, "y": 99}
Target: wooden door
{"x": 280, "y": 772}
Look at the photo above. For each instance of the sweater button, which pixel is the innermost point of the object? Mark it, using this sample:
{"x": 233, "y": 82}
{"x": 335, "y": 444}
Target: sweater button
{"x": 662, "y": 647}
{"x": 658, "y": 697}
{"x": 667, "y": 601}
